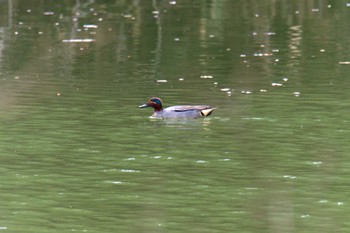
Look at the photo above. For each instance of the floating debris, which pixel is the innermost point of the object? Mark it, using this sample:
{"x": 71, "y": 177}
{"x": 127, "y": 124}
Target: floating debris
{"x": 285, "y": 79}
{"x": 172, "y": 2}
{"x": 90, "y": 26}
{"x": 206, "y": 76}
{"x": 129, "y": 170}
{"x": 78, "y": 40}
{"x": 49, "y": 13}
{"x": 276, "y": 84}
{"x": 246, "y": 92}
{"x": 177, "y": 39}
{"x": 225, "y": 89}
{"x": 130, "y": 159}
{"x": 296, "y": 93}
{"x": 344, "y": 63}
{"x": 263, "y": 90}
{"x": 162, "y": 81}
{"x": 316, "y": 163}
{"x": 262, "y": 54}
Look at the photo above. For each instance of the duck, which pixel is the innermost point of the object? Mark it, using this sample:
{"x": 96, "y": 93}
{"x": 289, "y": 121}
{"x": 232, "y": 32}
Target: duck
{"x": 179, "y": 111}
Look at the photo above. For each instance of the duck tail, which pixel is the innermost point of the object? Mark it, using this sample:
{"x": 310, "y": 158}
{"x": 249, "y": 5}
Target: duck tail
{"x": 207, "y": 112}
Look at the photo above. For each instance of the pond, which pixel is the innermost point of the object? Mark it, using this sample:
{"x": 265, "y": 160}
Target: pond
{"x": 78, "y": 155}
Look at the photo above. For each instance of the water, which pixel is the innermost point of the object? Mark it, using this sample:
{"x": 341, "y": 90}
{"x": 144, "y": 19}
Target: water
{"x": 78, "y": 155}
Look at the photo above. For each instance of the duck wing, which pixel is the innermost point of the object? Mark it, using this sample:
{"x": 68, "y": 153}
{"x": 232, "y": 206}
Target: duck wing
{"x": 184, "y": 108}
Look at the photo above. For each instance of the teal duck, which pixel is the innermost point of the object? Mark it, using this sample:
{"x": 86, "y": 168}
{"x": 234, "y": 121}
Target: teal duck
{"x": 180, "y": 111}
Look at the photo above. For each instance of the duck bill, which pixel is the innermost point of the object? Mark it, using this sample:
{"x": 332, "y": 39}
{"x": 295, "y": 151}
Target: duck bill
{"x": 144, "y": 106}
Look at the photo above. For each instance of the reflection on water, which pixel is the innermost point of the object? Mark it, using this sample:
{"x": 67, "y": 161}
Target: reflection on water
{"x": 182, "y": 123}
{"x": 272, "y": 158}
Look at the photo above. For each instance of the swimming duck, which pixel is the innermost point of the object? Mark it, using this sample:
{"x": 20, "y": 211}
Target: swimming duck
{"x": 180, "y": 111}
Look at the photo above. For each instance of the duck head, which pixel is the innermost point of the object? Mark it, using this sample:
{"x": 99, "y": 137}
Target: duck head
{"x": 155, "y": 103}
